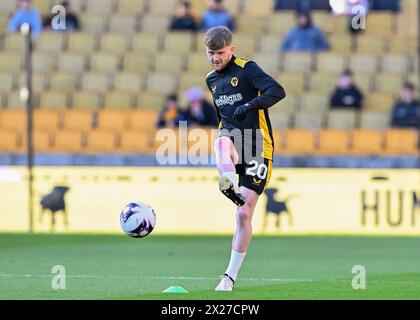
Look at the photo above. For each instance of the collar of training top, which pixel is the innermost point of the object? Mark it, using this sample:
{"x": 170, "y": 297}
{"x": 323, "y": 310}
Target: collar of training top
{"x": 230, "y": 63}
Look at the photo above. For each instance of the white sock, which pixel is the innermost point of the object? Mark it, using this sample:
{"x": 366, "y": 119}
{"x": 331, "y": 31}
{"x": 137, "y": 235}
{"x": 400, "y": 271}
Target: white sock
{"x": 232, "y": 176}
{"x": 236, "y": 259}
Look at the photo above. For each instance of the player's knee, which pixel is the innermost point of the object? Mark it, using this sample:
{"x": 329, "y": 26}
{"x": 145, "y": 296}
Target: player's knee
{"x": 244, "y": 215}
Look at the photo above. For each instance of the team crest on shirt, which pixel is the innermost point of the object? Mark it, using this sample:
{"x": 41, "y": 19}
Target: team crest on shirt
{"x": 234, "y": 82}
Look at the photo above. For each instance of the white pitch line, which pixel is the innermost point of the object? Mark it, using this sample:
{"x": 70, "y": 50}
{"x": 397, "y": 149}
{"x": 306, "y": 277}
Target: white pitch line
{"x": 87, "y": 276}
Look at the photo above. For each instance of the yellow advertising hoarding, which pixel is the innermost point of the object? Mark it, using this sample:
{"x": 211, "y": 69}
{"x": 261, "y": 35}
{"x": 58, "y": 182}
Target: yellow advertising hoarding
{"x": 187, "y": 200}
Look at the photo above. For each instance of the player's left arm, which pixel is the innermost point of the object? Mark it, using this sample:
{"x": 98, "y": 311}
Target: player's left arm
{"x": 270, "y": 91}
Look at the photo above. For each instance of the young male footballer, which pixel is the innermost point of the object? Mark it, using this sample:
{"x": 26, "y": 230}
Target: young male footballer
{"x": 242, "y": 93}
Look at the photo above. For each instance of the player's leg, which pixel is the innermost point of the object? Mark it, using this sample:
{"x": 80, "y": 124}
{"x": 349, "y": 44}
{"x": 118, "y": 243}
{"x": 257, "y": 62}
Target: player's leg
{"x": 226, "y": 159}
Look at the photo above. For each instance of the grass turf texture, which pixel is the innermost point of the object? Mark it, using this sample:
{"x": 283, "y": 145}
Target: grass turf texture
{"x": 118, "y": 267}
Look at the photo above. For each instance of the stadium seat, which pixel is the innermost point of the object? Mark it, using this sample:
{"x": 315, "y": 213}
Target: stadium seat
{"x": 198, "y": 61}
{"x": 370, "y": 44}
{"x": 278, "y": 140}
{"x": 379, "y": 23}
{"x": 13, "y": 119}
{"x": 105, "y": 62}
{"x": 64, "y": 81}
{"x": 135, "y": 62}
{"x": 407, "y": 24}
{"x": 51, "y": 42}
{"x": 315, "y": 101}
{"x": 290, "y": 103}
{"x": 113, "y": 119}
{"x": 341, "y": 43}
{"x": 180, "y": 42}
{"x": 375, "y": 120}
{"x": 14, "y": 42}
{"x": 364, "y": 82}
{"x": 123, "y": 24}
{"x": 101, "y": 141}
{"x": 297, "y": 62}
{"x": 68, "y": 141}
{"x": 280, "y": 119}
{"x": 78, "y": 5}
{"x": 72, "y": 62}
{"x": 131, "y": 7}
{"x": 391, "y": 83}
{"x": 245, "y": 45}
{"x": 8, "y": 6}
{"x": 43, "y": 62}
{"x": 403, "y": 44}
{"x": 269, "y": 43}
{"x": 146, "y": 43}
{"x": 131, "y": 82}
{"x": 8, "y": 140}
{"x": 309, "y": 120}
{"x": 366, "y": 142}
{"x": 162, "y": 7}
{"x": 135, "y": 141}
{"x": 331, "y": 62}
{"x": 82, "y": 42}
{"x": 114, "y": 42}
{"x": 94, "y": 23}
{"x": 333, "y": 142}
{"x": 142, "y": 119}
{"x": 341, "y": 119}
{"x": 269, "y": 62}
{"x": 281, "y": 23}
{"x": 10, "y": 61}
{"x": 46, "y": 119}
{"x": 86, "y": 99}
{"x": 190, "y": 79}
{"x": 233, "y": 6}
{"x": 402, "y": 142}
{"x": 40, "y": 81}
{"x": 396, "y": 63}
{"x": 43, "y": 6}
{"x": 293, "y": 82}
{"x": 151, "y": 100}
{"x": 169, "y": 62}
{"x": 299, "y": 141}
{"x": 118, "y": 99}
{"x": 323, "y": 82}
{"x": 162, "y": 83}
{"x": 14, "y": 101}
{"x": 154, "y": 24}
{"x": 103, "y": 7}
{"x": 364, "y": 63}
{"x": 53, "y": 99}
{"x": 382, "y": 101}
{"x": 95, "y": 82}
{"x": 77, "y": 119}
{"x": 41, "y": 140}
{"x": 7, "y": 81}
{"x": 260, "y": 8}
{"x": 251, "y": 25}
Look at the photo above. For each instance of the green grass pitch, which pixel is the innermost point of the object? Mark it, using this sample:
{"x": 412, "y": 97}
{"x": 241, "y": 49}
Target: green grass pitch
{"x": 118, "y": 267}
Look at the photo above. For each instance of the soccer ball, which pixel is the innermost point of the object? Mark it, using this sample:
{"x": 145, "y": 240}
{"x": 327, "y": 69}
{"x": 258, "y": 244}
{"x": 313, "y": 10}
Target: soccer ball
{"x": 137, "y": 219}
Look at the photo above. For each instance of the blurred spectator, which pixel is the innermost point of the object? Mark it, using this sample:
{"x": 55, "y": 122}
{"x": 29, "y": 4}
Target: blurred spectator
{"x": 305, "y": 36}
{"x": 25, "y": 14}
{"x": 170, "y": 112}
{"x": 72, "y": 21}
{"x": 199, "y": 111}
{"x": 183, "y": 20}
{"x": 406, "y": 111}
{"x": 216, "y": 16}
{"x": 346, "y": 94}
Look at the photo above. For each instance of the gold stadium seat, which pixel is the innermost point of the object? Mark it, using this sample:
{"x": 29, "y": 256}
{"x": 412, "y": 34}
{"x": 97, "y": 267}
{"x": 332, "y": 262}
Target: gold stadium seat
{"x": 396, "y": 63}
{"x": 7, "y": 81}
{"x": 407, "y": 24}
{"x": 4, "y": 20}
{"x": 131, "y": 6}
{"x": 366, "y": 142}
{"x": 251, "y": 25}
{"x": 13, "y": 119}
{"x": 293, "y": 82}
{"x": 43, "y": 62}
{"x": 86, "y": 99}
{"x": 370, "y": 44}
{"x": 123, "y": 23}
{"x": 53, "y": 99}
{"x": 333, "y": 142}
{"x": 7, "y": 6}
{"x": 391, "y": 83}
{"x": 309, "y": 120}
{"x": 114, "y": 42}
{"x": 134, "y": 141}
{"x": 281, "y": 23}
{"x": 150, "y": 100}
{"x": 162, "y": 83}
{"x": 315, "y": 101}
{"x": 8, "y": 140}
{"x": 269, "y": 43}
{"x": 10, "y": 61}
{"x": 146, "y": 43}
{"x": 101, "y": 141}
{"x": 269, "y": 62}
{"x": 341, "y": 119}
{"x": 278, "y": 139}
{"x": 260, "y": 8}
{"x": 297, "y": 62}
{"x": 13, "y": 100}
{"x": 364, "y": 63}
{"x": 280, "y": 119}
{"x": 198, "y": 61}
{"x": 64, "y": 81}
{"x": 113, "y": 119}
{"x": 14, "y": 42}
{"x": 299, "y": 141}
{"x": 181, "y": 42}
{"x": 40, "y": 81}
{"x": 105, "y": 62}
{"x": 68, "y": 141}
{"x": 82, "y": 42}
{"x": 382, "y": 101}
{"x": 245, "y": 45}
{"x": 72, "y": 62}
{"x": 43, "y": 6}
{"x": 41, "y": 140}
{"x": 46, "y": 119}
{"x": 363, "y": 81}
{"x": 142, "y": 119}
{"x": 51, "y": 42}
{"x": 78, "y": 5}
{"x": 322, "y": 82}
{"x": 118, "y": 99}
{"x": 290, "y": 103}
{"x": 190, "y": 79}
{"x": 233, "y": 6}
{"x": 403, "y": 44}
{"x": 103, "y": 7}
{"x": 136, "y": 62}
{"x": 169, "y": 62}
{"x": 340, "y": 43}
{"x": 378, "y": 120}
{"x": 96, "y": 82}
{"x": 379, "y": 23}
{"x": 402, "y": 141}
{"x": 77, "y": 119}
{"x": 162, "y": 7}
{"x": 331, "y": 62}
{"x": 131, "y": 82}
{"x": 154, "y": 24}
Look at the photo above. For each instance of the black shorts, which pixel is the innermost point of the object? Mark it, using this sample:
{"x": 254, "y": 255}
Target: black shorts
{"x": 254, "y": 175}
